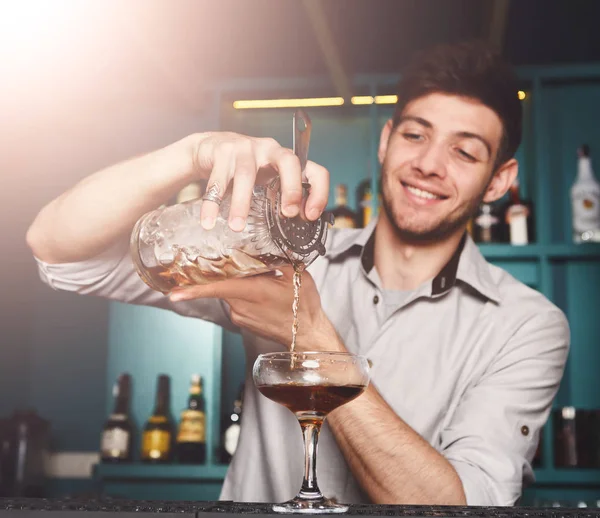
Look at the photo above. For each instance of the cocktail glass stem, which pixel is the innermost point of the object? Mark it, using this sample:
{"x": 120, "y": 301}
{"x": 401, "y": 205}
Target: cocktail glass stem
{"x": 310, "y": 433}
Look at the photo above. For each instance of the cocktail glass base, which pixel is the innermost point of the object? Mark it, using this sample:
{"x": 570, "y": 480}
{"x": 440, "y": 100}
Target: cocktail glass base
{"x": 310, "y": 506}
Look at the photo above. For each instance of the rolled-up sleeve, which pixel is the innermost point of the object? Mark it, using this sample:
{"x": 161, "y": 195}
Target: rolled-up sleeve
{"x": 492, "y": 437}
{"x": 111, "y": 274}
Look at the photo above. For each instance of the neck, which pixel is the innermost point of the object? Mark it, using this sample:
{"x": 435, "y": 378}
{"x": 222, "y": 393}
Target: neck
{"x": 585, "y": 169}
{"x": 405, "y": 266}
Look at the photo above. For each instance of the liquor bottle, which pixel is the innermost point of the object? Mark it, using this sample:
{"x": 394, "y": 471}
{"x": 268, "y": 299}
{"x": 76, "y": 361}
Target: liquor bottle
{"x": 585, "y": 200}
{"x": 117, "y": 434}
{"x": 486, "y": 225}
{"x": 344, "y": 216}
{"x": 364, "y": 204}
{"x": 470, "y": 227}
{"x": 565, "y": 438}
{"x": 518, "y": 218}
{"x": 232, "y": 426}
{"x": 159, "y": 431}
{"x": 191, "y": 437}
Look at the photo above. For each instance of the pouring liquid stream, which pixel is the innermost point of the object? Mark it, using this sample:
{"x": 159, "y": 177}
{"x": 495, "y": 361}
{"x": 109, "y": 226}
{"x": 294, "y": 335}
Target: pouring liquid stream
{"x": 295, "y": 324}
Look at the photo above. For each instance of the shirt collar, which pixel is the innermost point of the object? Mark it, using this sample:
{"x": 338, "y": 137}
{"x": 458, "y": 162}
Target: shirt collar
{"x": 474, "y": 270}
{"x": 467, "y": 264}
{"x": 358, "y": 239}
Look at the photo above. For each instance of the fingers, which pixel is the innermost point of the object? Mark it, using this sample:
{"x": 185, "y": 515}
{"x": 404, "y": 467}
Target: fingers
{"x": 215, "y": 290}
{"x": 288, "y": 167}
{"x": 217, "y": 184}
{"x": 244, "y": 177}
{"x": 238, "y": 157}
{"x": 318, "y": 177}
{"x": 226, "y": 289}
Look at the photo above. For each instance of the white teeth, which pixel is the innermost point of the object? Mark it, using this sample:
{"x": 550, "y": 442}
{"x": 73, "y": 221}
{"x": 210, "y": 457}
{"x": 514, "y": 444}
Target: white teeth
{"x": 423, "y": 194}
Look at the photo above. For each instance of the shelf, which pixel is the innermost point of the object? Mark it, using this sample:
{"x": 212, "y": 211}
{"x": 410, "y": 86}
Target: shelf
{"x": 558, "y": 251}
{"x": 160, "y": 472}
{"x": 506, "y": 251}
{"x": 567, "y": 477}
{"x": 537, "y": 251}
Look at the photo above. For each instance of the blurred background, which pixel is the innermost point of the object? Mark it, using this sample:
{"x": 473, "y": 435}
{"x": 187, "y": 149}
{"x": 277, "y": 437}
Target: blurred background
{"x": 84, "y": 84}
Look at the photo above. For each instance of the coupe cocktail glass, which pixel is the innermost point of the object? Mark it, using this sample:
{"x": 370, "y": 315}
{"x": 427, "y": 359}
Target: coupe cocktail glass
{"x": 311, "y": 384}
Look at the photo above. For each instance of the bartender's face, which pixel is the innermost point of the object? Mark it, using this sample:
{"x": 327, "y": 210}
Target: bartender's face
{"x": 438, "y": 165}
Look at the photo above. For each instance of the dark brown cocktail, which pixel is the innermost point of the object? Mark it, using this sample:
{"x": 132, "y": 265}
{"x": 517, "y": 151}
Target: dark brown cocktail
{"x": 316, "y": 399}
{"x": 311, "y": 384}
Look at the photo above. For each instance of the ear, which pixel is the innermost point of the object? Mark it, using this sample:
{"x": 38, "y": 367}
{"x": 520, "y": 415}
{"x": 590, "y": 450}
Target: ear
{"x": 383, "y": 140}
{"x": 501, "y": 181}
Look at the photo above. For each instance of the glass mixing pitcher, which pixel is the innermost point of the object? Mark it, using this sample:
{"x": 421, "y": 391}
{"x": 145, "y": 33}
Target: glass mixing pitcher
{"x": 170, "y": 248}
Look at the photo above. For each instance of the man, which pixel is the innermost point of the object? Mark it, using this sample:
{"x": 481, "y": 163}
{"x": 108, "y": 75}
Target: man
{"x": 466, "y": 360}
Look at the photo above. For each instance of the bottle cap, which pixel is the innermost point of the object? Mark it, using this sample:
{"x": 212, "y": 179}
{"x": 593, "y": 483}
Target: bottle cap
{"x": 584, "y": 151}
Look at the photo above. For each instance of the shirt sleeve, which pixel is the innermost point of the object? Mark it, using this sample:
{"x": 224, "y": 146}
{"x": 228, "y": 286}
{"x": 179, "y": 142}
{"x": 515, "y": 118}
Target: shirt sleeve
{"x": 111, "y": 274}
{"x": 493, "y": 435}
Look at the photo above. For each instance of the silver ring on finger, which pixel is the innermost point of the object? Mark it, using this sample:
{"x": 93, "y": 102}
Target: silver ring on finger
{"x": 212, "y": 194}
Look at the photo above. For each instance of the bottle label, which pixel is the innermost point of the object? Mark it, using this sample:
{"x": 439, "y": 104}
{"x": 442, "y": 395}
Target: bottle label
{"x": 156, "y": 444}
{"x": 367, "y": 215}
{"x": 343, "y": 222}
{"x": 367, "y": 209}
{"x": 516, "y": 217}
{"x": 192, "y": 427}
{"x": 232, "y": 435}
{"x": 586, "y": 212}
{"x": 115, "y": 443}
{"x": 486, "y": 221}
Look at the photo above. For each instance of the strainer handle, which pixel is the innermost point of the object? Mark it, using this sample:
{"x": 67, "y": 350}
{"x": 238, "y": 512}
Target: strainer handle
{"x": 301, "y": 140}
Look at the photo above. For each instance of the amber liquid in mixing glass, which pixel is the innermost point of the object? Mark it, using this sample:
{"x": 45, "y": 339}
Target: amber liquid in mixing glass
{"x": 186, "y": 268}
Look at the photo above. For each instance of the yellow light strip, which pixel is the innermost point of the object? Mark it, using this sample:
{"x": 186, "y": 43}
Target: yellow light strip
{"x": 288, "y": 103}
{"x": 362, "y": 99}
{"x": 324, "y": 101}
{"x": 386, "y": 99}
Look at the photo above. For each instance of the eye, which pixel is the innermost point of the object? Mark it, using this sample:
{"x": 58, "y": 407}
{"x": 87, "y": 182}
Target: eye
{"x": 465, "y": 155}
{"x": 415, "y": 137}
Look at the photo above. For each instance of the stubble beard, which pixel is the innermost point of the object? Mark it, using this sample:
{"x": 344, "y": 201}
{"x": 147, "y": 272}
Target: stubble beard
{"x": 446, "y": 228}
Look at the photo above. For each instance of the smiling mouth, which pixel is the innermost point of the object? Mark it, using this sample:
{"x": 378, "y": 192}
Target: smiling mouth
{"x": 420, "y": 193}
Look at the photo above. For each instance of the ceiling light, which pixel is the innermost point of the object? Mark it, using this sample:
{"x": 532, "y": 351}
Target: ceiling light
{"x": 288, "y": 103}
{"x": 362, "y": 99}
{"x": 386, "y": 99}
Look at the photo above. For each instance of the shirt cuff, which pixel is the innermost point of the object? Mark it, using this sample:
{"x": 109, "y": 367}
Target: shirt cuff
{"x": 76, "y": 275}
{"x": 478, "y": 490}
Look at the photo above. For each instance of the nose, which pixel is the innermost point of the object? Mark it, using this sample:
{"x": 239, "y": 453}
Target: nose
{"x": 430, "y": 160}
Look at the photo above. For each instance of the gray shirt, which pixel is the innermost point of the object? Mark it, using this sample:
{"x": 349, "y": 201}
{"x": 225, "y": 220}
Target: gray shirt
{"x": 471, "y": 360}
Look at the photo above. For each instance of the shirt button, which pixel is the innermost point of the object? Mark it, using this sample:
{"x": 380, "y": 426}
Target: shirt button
{"x": 376, "y": 299}
{"x": 525, "y": 430}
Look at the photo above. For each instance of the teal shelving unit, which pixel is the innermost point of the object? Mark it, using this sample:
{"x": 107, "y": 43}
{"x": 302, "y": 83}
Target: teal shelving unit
{"x": 147, "y": 342}
{"x": 157, "y": 472}
{"x": 561, "y": 111}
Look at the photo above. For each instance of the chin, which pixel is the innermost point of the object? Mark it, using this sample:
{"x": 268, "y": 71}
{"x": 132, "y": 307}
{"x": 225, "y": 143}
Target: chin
{"x": 422, "y": 232}
{"x": 409, "y": 235}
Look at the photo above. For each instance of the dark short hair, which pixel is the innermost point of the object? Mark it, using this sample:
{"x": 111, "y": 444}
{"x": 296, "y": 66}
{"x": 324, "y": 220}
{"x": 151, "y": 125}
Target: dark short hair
{"x": 469, "y": 69}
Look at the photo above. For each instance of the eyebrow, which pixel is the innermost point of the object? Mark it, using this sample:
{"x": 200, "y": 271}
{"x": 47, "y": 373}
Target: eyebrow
{"x": 463, "y": 134}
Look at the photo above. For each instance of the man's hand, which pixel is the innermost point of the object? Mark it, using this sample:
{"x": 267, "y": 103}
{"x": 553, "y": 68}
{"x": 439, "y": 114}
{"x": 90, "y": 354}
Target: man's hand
{"x": 227, "y": 157}
{"x": 263, "y": 305}
{"x": 102, "y": 209}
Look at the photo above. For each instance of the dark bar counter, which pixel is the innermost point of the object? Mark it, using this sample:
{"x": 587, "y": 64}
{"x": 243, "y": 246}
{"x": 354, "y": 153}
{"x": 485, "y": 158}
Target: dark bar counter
{"x": 49, "y": 508}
